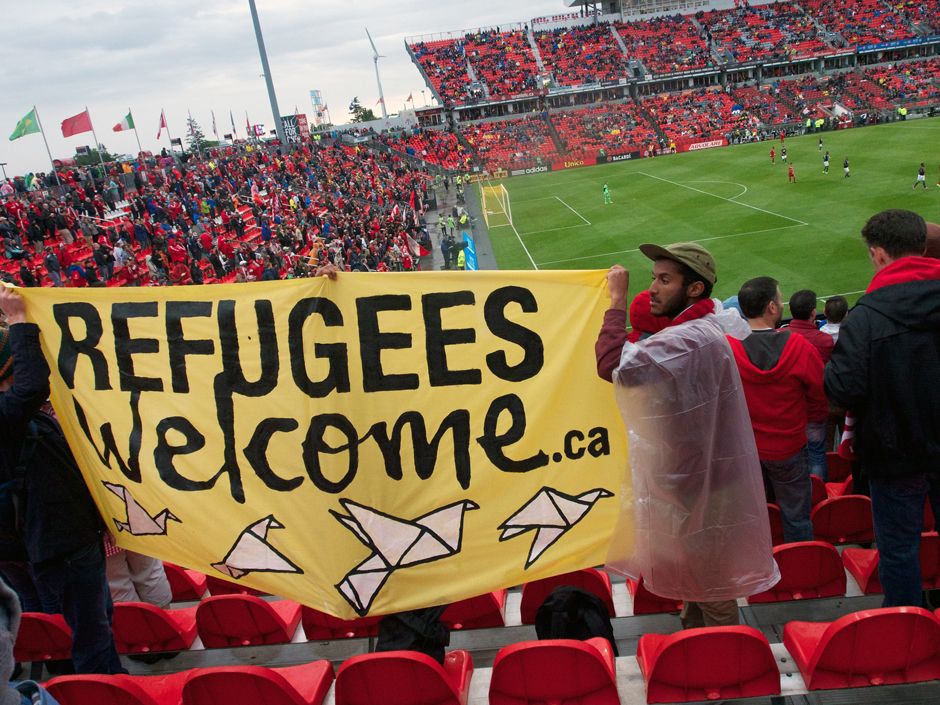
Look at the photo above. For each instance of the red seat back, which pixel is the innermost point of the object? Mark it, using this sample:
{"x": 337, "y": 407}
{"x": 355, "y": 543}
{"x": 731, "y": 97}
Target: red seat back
{"x": 590, "y": 580}
{"x": 140, "y": 628}
{"x": 239, "y": 620}
{"x": 394, "y": 678}
{"x": 117, "y": 689}
{"x": 819, "y": 489}
{"x": 808, "y": 569}
{"x": 930, "y": 560}
{"x": 776, "y": 523}
{"x": 43, "y": 637}
{"x": 319, "y": 625}
{"x": 557, "y": 671}
{"x": 249, "y": 685}
{"x": 845, "y": 519}
{"x": 707, "y": 664}
{"x": 838, "y": 467}
{"x": 877, "y": 647}
{"x": 186, "y": 585}
{"x": 481, "y": 612}
{"x": 217, "y": 586}
{"x": 646, "y": 602}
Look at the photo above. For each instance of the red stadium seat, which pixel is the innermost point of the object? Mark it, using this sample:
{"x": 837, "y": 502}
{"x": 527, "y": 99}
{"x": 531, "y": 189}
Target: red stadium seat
{"x": 872, "y": 647}
{"x": 140, "y": 628}
{"x": 645, "y": 602}
{"x": 707, "y": 664}
{"x": 187, "y": 585}
{"x": 404, "y": 678}
{"x": 245, "y": 620}
{"x": 838, "y": 489}
{"x": 319, "y": 626}
{"x": 862, "y": 564}
{"x": 776, "y": 524}
{"x": 819, "y": 489}
{"x": 845, "y": 519}
{"x": 306, "y": 684}
{"x": 118, "y": 689}
{"x": 556, "y": 671}
{"x": 590, "y": 579}
{"x": 808, "y": 569}
{"x": 930, "y": 523}
{"x": 838, "y": 467}
{"x": 43, "y": 637}
{"x": 481, "y": 612}
{"x": 218, "y": 586}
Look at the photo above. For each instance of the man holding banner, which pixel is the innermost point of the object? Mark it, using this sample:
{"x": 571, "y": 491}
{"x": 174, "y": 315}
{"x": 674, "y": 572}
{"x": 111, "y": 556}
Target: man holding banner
{"x": 699, "y": 513}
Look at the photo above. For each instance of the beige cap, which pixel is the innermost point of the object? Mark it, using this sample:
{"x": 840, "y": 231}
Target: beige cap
{"x": 691, "y": 254}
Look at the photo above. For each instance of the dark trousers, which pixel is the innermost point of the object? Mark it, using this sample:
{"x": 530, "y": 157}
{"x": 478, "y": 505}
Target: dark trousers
{"x": 77, "y": 584}
{"x": 897, "y": 507}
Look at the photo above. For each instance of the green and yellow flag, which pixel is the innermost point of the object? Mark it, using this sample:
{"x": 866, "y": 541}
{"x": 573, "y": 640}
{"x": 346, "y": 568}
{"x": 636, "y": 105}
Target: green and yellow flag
{"x": 26, "y": 126}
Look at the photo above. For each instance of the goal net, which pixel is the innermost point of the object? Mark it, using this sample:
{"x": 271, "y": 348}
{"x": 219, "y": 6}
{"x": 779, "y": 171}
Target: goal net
{"x": 497, "y": 210}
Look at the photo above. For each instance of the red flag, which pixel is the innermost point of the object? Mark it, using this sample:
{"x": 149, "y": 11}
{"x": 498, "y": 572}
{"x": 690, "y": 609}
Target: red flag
{"x": 410, "y": 99}
{"x": 416, "y": 249}
{"x": 380, "y": 100}
{"x": 162, "y": 125}
{"x": 76, "y": 124}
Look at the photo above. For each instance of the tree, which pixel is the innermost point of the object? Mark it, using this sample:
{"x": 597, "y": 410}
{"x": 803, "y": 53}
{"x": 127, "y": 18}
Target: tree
{"x": 195, "y": 136}
{"x": 360, "y": 114}
{"x": 90, "y": 158}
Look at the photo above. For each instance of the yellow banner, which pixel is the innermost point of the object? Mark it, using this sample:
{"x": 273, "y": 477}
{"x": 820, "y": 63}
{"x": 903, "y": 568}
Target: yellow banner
{"x": 365, "y": 445}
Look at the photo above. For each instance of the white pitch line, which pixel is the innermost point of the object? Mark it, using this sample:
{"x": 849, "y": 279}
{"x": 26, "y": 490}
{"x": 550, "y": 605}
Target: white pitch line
{"x": 704, "y": 239}
{"x": 573, "y": 211}
{"x": 737, "y": 203}
{"x": 525, "y": 249}
{"x": 551, "y": 230}
{"x": 733, "y": 183}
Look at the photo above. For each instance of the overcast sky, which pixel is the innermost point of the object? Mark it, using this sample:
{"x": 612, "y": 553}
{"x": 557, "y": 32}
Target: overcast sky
{"x": 61, "y": 55}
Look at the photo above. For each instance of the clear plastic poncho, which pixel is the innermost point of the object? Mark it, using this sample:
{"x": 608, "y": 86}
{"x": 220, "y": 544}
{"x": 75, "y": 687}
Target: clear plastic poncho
{"x": 699, "y": 512}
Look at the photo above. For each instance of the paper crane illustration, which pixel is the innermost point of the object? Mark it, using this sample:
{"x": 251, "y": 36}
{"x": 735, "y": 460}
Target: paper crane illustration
{"x": 396, "y": 543}
{"x": 139, "y": 522}
{"x": 550, "y": 513}
{"x": 251, "y": 552}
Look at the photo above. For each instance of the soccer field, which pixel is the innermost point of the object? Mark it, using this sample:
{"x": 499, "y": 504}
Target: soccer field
{"x": 733, "y": 201}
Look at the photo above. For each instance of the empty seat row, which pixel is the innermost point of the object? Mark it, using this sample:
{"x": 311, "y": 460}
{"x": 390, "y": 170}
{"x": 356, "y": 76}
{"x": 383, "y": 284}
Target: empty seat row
{"x": 711, "y": 663}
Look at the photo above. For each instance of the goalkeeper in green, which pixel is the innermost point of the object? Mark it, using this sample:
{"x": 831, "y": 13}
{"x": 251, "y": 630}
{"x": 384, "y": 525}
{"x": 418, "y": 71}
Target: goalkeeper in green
{"x": 607, "y": 198}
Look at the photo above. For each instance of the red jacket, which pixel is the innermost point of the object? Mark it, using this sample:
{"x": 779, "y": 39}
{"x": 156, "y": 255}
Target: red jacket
{"x": 815, "y": 337}
{"x": 781, "y": 400}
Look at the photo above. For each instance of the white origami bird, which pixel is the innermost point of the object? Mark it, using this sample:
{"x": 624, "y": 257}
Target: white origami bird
{"x": 396, "y": 543}
{"x": 251, "y": 552}
{"x": 139, "y": 522}
{"x": 550, "y": 513}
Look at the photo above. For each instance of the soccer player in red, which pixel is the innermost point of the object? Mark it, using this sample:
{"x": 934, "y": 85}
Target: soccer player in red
{"x": 773, "y": 155}
{"x": 791, "y": 177}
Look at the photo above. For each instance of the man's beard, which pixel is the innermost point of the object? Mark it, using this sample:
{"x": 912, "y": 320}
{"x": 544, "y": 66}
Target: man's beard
{"x": 675, "y": 306}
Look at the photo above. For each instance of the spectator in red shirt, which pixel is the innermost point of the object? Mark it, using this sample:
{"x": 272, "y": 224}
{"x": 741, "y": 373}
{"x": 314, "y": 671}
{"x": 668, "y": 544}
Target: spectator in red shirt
{"x": 783, "y": 384}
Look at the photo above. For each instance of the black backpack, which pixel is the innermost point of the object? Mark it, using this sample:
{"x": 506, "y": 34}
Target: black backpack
{"x": 11, "y": 491}
{"x": 571, "y": 613}
{"x": 415, "y": 630}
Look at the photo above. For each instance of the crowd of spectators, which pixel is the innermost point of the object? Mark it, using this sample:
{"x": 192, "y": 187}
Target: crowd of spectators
{"x": 511, "y": 144}
{"x": 445, "y": 64}
{"x": 859, "y": 92}
{"x": 239, "y": 213}
{"x": 910, "y": 85}
{"x": 685, "y": 49}
{"x": 436, "y": 147}
{"x": 503, "y": 60}
{"x": 614, "y": 128}
{"x": 582, "y": 54}
{"x": 706, "y": 113}
{"x": 760, "y": 103}
{"x": 809, "y": 95}
{"x": 860, "y": 22}
{"x": 778, "y": 31}
{"x": 922, "y": 14}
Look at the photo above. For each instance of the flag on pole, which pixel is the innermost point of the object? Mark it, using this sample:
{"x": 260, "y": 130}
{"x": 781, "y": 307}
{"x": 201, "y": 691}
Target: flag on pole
{"x": 26, "y": 126}
{"x": 162, "y": 125}
{"x": 380, "y": 100}
{"x": 232, "y": 118}
{"x": 76, "y": 124}
{"x": 215, "y": 130}
{"x": 126, "y": 124}
{"x": 410, "y": 99}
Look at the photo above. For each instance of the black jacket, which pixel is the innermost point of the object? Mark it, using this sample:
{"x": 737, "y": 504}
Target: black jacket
{"x": 886, "y": 370}
{"x": 59, "y": 514}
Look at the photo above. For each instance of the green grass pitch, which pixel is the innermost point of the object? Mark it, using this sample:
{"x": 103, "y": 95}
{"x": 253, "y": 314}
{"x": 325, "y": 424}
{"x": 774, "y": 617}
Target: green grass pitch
{"x": 733, "y": 201}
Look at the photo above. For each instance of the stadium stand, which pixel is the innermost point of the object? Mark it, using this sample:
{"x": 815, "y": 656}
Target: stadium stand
{"x": 924, "y": 15}
{"x": 759, "y": 102}
{"x": 685, "y": 50}
{"x": 503, "y": 60}
{"x": 703, "y": 114}
{"x": 860, "y": 22}
{"x": 445, "y": 65}
{"x": 845, "y": 519}
{"x": 581, "y": 54}
{"x": 612, "y": 127}
{"x": 511, "y": 144}
{"x": 808, "y": 570}
{"x": 860, "y": 93}
{"x": 912, "y": 85}
{"x": 776, "y": 31}
{"x": 436, "y": 147}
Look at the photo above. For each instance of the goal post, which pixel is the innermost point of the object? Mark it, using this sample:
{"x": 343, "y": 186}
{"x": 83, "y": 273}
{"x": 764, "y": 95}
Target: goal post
{"x": 497, "y": 208}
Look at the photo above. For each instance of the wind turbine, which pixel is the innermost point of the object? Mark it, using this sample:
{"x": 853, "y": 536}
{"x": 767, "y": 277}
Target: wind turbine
{"x": 375, "y": 58}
